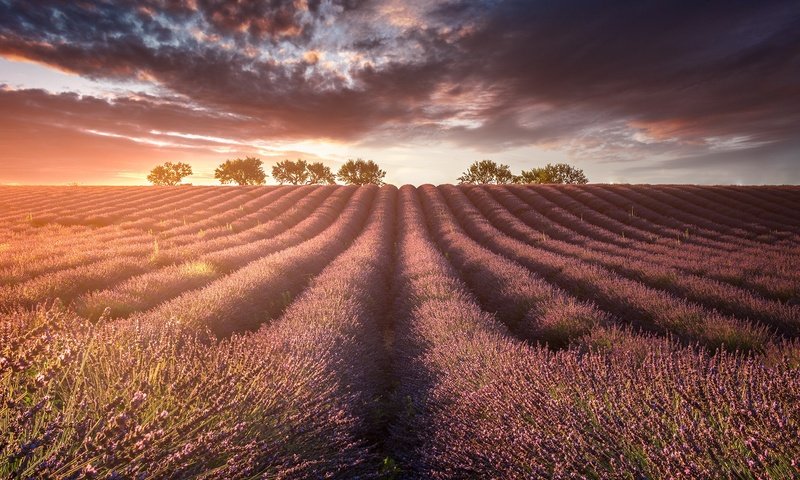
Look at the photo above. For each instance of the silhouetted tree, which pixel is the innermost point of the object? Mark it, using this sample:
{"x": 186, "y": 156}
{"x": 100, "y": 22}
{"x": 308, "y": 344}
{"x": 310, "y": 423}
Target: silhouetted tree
{"x": 301, "y": 172}
{"x": 288, "y": 171}
{"x": 557, "y": 173}
{"x": 361, "y": 172}
{"x": 244, "y": 171}
{"x": 320, "y": 174}
{"x": 487, "y": 171}
{"x": 169, "y": 173}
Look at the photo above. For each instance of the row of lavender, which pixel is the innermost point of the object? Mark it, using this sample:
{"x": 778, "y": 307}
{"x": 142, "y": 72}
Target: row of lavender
{"x": 627, "y": 300}
{"x": 641, "y": 266}
{"x": 68, "y": 247}
{"x": 601, "y": 269}
{"x": 141, "y": 211}
{"x": 152, "y": 398}
{"x": 556, "y": 212}
{"x": 682, "y": 271}
{"x": 653, "y": 241}
{"x": 481, "y": 403}
{"x": 108, "y": 282}
{"x": 441, "y": 388}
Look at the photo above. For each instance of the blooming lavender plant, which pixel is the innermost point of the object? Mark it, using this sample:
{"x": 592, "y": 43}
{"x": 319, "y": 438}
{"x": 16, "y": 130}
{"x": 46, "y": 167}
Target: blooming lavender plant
{"x": 432, "y": 332}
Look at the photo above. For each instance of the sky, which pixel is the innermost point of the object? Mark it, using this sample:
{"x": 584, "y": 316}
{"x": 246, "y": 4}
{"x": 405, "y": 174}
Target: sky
{"x": 629, "y": 91}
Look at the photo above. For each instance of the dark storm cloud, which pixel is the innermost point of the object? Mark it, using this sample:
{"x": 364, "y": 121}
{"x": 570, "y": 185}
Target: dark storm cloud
{"x": 714, "y": 67}
{"x": 486, "y": 74}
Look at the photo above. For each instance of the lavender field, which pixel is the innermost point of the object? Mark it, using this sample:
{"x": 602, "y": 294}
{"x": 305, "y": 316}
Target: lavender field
{"x": 592, "y": 331}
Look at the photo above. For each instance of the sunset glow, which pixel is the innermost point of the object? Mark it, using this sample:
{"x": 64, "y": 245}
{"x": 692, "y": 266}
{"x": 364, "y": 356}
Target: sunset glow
{"x": 686, "y": 92}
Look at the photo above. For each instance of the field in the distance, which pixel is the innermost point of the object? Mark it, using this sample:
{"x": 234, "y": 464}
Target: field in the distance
{"x": 434, "y": 332}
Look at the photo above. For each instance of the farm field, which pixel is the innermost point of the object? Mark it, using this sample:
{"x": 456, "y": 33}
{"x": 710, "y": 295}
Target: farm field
{"x": 592, "y": 331}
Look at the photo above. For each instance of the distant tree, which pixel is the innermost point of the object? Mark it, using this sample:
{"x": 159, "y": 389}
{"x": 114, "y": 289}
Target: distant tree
{"x": 288, "y": 171}
{"x": 487, "y": 171}
{"x": 244, "y": 171}
{"x": 558, "y": 173}
{"x": 320, "y": 174}
{"x": 169, "y": 173}
{"x": 361, "y": 172}
{"x": 301, "y": 172}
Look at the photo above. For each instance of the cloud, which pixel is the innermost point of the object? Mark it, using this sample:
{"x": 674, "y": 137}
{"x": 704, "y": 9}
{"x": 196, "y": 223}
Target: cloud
{"x": 56, "y": 138}
{"x": 718, "y": 68}
{"x": 596, "y": 79}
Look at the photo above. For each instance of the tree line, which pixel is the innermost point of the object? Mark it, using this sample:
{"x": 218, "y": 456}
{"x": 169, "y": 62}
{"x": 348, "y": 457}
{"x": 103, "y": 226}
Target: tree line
{"x": 250, "y": 171}
{"x": 489, "y": 172}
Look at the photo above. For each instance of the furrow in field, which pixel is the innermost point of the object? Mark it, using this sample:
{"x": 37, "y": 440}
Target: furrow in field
{"x": 67, "y": 284}
{"x": 533, "y": 309}
{"x": 26, "y": 219}
{"x": 698, "y": 225}
{"x": 286, "y": 207}
{"x": 707, "y": 293}
{"x": 125, "y": 207}
{"x": 691, "y": 211}
{"x": 300, "y": 222}
{"x": 86, "y": 236}
{"x": 158, "y": 218}
{"x": 772, "y": 200}
{"x": 587, "y": 204}
{"x": 562, "y": 211}
{"x": 167, "y": 218}
{"x": 626, "y": 226}
{"x": 759, "y": 229}
{"x": 54, "y": 210}
{"x": 785, "y": 199}
{"x": 694, "y": 230}
{"x": 214, "y": 222}
{"x": 20, "y": 214}
{"x": 474, "y": 403}
{"x": 138, "y": 199}
{"x": 56, "y": 197}
{"x": 18, "y": 201}
{"x": 545, "y": 207}
{"x": 689, "y": 259}
{"x": 170, "y": 248}
{"x": 744, "y": 207}
{"x": 249, "y": 296}
{"x": 664, "y": 216}
{"x": 629, "y": 300}
{"x": 38, "y": 199}
{"x": 768, "y": 276}
{"x": 782, "y": 233}
{"x": 296, "y": 399}
{"x": 153, "y": 213}
{"x": 783, "y": 202}
{"x": 9, "y": 194}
